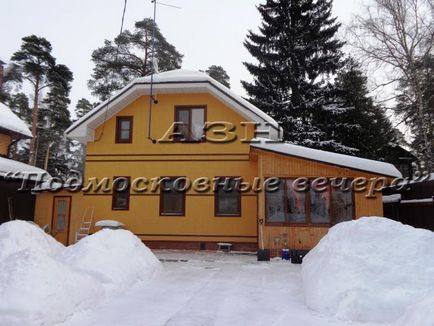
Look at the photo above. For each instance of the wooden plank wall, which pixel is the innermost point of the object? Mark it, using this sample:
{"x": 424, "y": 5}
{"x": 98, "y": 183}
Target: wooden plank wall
{"x": 302, "y": 237}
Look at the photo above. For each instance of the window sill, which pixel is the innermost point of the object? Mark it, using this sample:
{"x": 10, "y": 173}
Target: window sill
{"x": 227, "y": 215}
{"x": 172, "y": 214}
{"x": 310, "y": 225}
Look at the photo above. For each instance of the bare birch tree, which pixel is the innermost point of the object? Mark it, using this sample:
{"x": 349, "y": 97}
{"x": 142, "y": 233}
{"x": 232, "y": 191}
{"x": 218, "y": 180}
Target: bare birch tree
{"x": 400, "y": 34}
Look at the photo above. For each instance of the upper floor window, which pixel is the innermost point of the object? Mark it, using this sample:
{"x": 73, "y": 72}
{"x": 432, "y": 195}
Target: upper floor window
{"x": 190, "y": 123}
{"x": 227, "y": 197}
{"x": 124, "y": 129}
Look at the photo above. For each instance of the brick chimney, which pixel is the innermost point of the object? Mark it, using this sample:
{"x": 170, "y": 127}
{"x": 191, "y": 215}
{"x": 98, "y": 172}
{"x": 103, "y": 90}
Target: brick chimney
{"x": 1, "y": 74}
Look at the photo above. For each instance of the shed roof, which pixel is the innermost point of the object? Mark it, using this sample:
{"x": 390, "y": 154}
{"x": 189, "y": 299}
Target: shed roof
{"x": 347, "y": 161}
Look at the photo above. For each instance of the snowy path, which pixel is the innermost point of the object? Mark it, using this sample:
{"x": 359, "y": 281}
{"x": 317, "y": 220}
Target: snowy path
{"x": 211, "y": 289}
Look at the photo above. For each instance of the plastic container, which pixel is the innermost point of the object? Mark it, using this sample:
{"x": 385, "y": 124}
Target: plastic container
{"x": 285, "y": 254}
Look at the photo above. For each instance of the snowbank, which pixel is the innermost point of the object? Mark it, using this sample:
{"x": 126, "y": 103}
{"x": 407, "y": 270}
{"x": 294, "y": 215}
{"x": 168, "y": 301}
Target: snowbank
{"x": 370, "y": 270}
{"x": 115, "y": 257}
{"x": 36, "y": 289}
{"x": 42, "y": 282}
{"x": 20, "y": 235}
{"x": 418, "y": 314}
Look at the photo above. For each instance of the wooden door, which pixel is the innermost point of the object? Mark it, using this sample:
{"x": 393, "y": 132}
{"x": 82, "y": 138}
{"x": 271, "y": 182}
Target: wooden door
{"x": 61, "y": 217}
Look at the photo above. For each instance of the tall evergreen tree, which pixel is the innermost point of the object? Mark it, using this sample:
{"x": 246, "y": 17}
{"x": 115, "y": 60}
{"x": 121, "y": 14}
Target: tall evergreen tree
{"x": 219, "y": 74}
{"x": 35, "y": 64}
{"x": 129, "y": 56}
{"x": 363, "y": 125}
{"x": 297, "y": 50}
{"x": 83, "y": 106}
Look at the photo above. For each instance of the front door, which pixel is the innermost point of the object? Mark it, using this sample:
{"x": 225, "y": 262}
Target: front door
{"x": 61, "y": 216}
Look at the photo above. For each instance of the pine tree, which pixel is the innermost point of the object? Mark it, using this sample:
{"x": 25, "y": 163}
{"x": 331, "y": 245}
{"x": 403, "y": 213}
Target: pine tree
{"x": 363, "y": 125}
{"x": 297, "y": 51}
{"x": 83, "y": 106}
{"x": 219, "y": 74}
{"x": 128, "y": 57}
{"x": 35, "y": 64}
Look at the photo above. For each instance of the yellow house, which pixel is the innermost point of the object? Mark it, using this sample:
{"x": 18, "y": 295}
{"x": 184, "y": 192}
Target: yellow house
{"x": 187, "y": 167}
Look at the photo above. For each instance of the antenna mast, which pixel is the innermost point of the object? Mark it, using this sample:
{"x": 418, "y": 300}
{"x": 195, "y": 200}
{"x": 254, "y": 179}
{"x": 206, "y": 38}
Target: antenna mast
{"x": 151, "y": 95}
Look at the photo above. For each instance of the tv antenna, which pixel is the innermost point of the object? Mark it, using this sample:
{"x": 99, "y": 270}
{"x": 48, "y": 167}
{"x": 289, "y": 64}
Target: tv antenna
{"x": 154, "y": 64}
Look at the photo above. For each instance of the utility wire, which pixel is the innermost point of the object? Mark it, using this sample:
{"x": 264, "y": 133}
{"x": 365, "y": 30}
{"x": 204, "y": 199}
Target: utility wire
{"x": 116, "y": 61}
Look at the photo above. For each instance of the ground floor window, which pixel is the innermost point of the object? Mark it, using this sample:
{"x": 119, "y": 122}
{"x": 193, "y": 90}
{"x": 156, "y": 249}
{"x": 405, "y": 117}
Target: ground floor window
{"x": 316, "y": 205}
{"x": 172, "y": 196}
{"x": 121, "y": 193}
{"x": 227, "y": 198}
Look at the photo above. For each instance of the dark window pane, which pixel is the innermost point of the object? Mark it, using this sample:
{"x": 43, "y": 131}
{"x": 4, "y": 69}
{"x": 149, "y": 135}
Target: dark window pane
{"x": 320, "y": 206}
{"x": 296, "y": 204}
{"x": 228, "y": 200}
{"x": 275, "y": 210}
{"x": 121, "y": 193}
{"x": 172, "y": 199}
{"x": 342, "y": 205}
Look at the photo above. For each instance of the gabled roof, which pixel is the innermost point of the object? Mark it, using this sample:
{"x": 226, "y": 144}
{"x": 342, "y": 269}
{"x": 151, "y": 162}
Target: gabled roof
{"x": 341, "y": 160}
{"x": 170, "y": 82}
{"x": 10, "y": 123}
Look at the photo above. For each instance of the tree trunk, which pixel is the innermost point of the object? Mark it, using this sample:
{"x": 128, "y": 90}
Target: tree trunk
{"x": 35, "y": 116}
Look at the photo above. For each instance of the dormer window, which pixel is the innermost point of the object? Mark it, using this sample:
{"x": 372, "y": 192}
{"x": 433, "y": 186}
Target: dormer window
{"x": 124, "y": 129}
{"x": 190, "y": 123}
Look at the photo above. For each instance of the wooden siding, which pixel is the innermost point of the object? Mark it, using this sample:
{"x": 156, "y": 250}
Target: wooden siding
{"x": 302, "y": 237}
{"x": 5, "y": 140}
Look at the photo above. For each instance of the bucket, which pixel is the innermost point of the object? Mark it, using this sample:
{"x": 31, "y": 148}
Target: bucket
{"x": 285, "y": 254}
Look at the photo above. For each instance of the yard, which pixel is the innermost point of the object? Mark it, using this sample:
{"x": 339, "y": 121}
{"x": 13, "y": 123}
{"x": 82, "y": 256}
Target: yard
{"x": 211, "y": 289}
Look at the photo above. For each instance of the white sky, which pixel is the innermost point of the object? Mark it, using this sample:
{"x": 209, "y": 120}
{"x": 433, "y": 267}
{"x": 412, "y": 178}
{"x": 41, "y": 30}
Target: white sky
{"x": 206, "y": 31}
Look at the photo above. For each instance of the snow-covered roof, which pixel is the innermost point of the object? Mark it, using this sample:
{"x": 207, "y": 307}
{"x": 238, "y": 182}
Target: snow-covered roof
{"x": 19, "y": 169}
{"x": 341, "y": 160}
{"x": 10, "y": 122}
{"x": 170, "y": 82}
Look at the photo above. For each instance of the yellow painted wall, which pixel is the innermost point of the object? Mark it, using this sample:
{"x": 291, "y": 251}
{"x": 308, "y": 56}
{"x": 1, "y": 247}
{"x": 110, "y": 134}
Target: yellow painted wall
{"x": 5, "y": 140}
{"x": 193, "y": 160}
{"x": 44, "y": 211}
{"x": 300, "y": 237}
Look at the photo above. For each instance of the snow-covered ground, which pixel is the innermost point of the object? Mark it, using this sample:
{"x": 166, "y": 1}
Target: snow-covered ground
{"x": 212, "y": 289}
{"x": 372, "y": 271}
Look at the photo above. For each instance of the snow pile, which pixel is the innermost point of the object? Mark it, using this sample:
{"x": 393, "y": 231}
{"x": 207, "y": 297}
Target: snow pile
{"x": 420, "y": 314}
{"x": 115, "y": 257}
{"x": 371, "y": 270}
{"x": 37, "y": 289}
{"x": 42, "y": 282}
{"x": 21, "y": 235}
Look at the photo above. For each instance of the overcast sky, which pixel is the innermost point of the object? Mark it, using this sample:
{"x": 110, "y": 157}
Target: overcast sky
{"x": 206, "y": 31}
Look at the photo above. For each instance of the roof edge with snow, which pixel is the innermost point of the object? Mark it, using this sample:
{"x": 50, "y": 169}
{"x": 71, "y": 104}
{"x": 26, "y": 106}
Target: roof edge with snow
{"x": 11, "y": 124}
{"x": 170, "y": 82}
{"x": 330, "y": 158}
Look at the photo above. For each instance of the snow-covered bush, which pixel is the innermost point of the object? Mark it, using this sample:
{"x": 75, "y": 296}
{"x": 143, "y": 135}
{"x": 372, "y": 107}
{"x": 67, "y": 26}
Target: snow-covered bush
{"x": 370, "y": 270}
{"x": 42, "y": 282}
